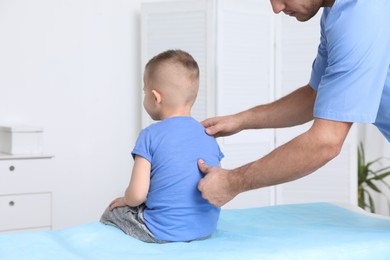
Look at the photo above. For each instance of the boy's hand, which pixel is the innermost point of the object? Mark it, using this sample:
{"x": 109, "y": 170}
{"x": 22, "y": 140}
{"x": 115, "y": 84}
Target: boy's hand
{"x": 118, "y": 202}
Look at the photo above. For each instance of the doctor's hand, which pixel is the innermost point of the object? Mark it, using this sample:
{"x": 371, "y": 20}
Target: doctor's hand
{"x": 216, "y": 186}
{"x": 222, "y": 125}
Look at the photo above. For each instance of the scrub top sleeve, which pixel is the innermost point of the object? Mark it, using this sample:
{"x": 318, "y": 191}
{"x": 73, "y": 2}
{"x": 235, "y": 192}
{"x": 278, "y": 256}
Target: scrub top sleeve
{"x": 321, "y": 61}
{"x": 356, "y": 65}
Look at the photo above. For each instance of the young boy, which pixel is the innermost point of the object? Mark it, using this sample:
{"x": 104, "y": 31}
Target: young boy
{"x": 162, "y": 202}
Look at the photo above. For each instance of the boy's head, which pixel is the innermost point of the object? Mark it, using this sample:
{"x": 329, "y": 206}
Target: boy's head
{"x": 171, "y": 82}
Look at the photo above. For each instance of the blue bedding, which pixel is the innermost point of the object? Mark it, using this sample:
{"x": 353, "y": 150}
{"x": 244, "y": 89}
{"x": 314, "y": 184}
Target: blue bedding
{"x": 300, "y": 231}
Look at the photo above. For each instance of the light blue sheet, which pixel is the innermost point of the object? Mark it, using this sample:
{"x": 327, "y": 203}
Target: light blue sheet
{"x": 301, "y": 231}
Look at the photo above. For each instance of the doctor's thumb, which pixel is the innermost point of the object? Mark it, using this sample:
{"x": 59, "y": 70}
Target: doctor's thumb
{"x": 203, "y": 167}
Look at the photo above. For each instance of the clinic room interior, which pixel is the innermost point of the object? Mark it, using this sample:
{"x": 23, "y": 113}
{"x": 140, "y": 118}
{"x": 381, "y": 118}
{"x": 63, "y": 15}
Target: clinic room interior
{"x": 71, "y": 72}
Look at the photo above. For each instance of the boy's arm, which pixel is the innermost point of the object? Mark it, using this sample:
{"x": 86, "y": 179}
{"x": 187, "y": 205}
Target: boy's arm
{"x": 138, "y": 187}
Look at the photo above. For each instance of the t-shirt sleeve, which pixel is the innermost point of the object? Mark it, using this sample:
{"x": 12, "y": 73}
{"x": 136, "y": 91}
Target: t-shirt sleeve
{"x": 350, "y": 69}
{"x": 143, "y": 146}
{"x": 221, "y": 155}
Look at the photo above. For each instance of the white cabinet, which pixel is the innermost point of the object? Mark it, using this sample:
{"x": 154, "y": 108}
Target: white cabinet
{"x": 247, "y": 56}
{"x": 25, "y": 193}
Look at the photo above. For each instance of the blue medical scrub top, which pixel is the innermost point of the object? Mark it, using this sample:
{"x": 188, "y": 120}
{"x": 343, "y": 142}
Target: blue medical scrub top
{"x": 351, "y": 71}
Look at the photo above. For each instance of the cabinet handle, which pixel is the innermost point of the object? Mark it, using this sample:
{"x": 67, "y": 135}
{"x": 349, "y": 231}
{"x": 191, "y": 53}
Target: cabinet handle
{"x": 12, "y": 168}
{"x": 11, "y": 203}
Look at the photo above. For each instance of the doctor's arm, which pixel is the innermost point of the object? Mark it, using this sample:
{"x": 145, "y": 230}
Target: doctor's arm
{"x": 138, "y": 188}
{"x": 295, "y": 159}
{"x": 293, "y": 109}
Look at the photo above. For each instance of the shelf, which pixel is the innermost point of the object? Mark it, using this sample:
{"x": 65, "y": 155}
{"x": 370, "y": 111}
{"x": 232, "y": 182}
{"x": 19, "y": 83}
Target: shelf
{"x": 4, "y": 156}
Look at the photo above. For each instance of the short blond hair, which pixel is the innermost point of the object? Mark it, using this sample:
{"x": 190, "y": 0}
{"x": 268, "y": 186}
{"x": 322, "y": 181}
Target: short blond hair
{"x": 186, "y": 68}
{"x": 175, "y": 56}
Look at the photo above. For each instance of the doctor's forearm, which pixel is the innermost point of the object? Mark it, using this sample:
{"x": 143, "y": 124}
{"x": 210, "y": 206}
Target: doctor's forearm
{"x": 295, "y": 159}
{"x": 293, "y": 109}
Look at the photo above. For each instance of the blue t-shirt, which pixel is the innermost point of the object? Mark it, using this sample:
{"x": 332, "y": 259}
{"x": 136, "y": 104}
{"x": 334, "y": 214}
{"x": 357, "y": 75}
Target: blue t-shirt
{"x": 351, "y": 71}
{"x": 175, "y": 209}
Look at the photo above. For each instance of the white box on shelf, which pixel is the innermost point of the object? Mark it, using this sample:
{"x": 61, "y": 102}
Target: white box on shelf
{"x": 18, "y": 140}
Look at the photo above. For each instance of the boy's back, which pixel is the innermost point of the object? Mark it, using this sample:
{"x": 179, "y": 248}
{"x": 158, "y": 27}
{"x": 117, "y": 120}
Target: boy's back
{"x": 175, "y": 210}
{"x": 162, "y": 202}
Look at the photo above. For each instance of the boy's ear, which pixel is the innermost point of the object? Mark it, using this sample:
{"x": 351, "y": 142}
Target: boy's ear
{"x": 157, "y": 96}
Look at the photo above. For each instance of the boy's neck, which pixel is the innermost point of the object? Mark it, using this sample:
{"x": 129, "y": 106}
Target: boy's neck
{"x": 175, "y": 112}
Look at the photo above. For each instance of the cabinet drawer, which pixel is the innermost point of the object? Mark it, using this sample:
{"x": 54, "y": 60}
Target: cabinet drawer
{"x": 25, "y": 176}
{"x": 24, "y": 211}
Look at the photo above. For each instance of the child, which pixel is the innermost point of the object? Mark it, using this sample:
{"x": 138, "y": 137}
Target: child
{"x": 162, "y": 202}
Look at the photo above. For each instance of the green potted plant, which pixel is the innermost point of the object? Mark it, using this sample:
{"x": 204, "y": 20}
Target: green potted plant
{"x": 368, "y": 179}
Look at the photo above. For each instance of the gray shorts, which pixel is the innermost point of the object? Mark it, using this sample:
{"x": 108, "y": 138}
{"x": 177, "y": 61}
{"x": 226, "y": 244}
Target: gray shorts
{"x": 131, "y": 221}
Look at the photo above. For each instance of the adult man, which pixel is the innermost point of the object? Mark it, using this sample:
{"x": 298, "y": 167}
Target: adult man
{"x": 350, "y": 82}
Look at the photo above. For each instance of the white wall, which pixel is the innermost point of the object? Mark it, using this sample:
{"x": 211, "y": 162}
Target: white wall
{"x": 72, "y": 67}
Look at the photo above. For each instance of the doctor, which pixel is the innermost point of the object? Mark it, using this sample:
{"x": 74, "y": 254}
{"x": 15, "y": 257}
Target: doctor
{"x": 350, "y": 82}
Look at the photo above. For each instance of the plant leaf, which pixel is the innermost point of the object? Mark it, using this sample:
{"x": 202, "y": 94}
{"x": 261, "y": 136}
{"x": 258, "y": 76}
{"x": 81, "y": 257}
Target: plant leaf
{"x": 373, "y": 186}
{"x": 380, "y": 176}
{"x": 372, "y": 206}
{"x": 367, "y": 178}
{"x": 381, "y": 170}
{"x": 373, "y": 162}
